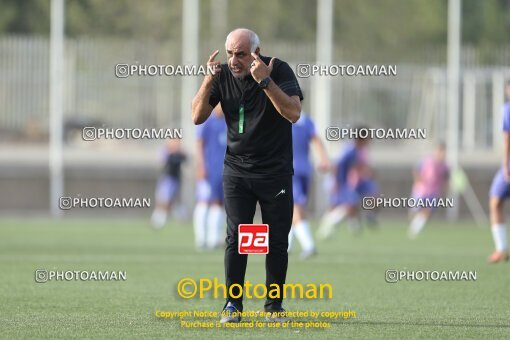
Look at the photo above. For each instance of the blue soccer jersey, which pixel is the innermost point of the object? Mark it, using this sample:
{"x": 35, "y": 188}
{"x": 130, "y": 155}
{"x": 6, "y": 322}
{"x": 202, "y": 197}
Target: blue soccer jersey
{"x": 344, "y": 192}
{"x": 213, "y": 134}
{"x": 303, "y": 131}
{"x": 500, "y": 187}
{"x": 347, "y": 161}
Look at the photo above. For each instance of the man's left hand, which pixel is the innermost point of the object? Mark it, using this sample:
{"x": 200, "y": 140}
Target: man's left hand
{"x": 259, "y": 70}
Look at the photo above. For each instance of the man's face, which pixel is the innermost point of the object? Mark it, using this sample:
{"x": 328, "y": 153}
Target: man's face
{"x": 507, "y": 90}
{"x": 239, "y": 58}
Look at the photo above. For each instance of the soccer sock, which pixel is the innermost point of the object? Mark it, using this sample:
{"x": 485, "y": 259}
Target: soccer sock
{"x": 158, "y": 218}
{"x": 329, "y": 221}
{"x": 214, "y": 218}
{"x": 304, "y": 236}
{"x": 199, "y": 224}
{"x": 499, "y": 236}
{"x": 417, "y": 225}
{"x": 291, "y": 236}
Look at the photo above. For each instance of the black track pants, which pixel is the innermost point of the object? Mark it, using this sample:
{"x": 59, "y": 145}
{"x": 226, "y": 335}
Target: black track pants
{"x": 276, "y": 203}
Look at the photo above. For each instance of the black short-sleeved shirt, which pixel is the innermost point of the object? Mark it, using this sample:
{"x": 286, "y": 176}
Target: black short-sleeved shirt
{"x": 264, "y": 149}
{"x": 173, "y": 164}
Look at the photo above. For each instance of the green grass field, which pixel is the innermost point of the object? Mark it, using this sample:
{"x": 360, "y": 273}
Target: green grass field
{"x": 156, "y": 260}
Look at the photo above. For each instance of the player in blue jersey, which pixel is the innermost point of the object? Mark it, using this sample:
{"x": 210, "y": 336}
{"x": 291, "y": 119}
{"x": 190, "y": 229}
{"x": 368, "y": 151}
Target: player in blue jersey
{"x": 209, "y": 211}
{"x": 345, "y": 199}
{"x": 169, "y": 183}
{"x": 362, "y": 178}
{"x": 500, "y": 191}
{"x": 304, "y": 135}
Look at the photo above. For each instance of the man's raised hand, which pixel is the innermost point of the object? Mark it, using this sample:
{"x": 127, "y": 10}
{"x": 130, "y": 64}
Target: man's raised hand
{"x": 259, "y": 70}
{"x": 215, "y": 66}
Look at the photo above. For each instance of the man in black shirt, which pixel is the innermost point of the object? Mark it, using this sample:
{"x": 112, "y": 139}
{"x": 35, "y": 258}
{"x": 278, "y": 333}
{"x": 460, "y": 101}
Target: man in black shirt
{"x": 261, "y": 99}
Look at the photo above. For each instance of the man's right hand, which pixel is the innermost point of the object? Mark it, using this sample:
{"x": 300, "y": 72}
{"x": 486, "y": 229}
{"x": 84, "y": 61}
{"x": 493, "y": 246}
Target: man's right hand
{"x": 214, "y": 65}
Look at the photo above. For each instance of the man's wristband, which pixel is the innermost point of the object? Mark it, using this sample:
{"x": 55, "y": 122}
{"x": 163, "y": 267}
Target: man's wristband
{"x": 264, "y": 83}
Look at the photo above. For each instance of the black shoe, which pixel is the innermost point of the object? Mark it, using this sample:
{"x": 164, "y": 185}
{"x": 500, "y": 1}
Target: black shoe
{"x": 230, "y": 314}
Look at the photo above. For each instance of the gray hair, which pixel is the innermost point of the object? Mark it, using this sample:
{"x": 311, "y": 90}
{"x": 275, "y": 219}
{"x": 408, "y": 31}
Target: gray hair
{"x": 254, "y": 38}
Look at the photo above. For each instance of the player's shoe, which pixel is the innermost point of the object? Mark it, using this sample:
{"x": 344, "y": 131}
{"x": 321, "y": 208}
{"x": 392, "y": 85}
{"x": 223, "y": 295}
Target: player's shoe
{"x": 158, "y": 218}
{"x": 413, "y": 234}
{"x": 277, "y": 316}
{"x": 306, "y": 254}
{"x": 325, "y": 231}
{"x": 230, "y": 314}
{"x": 498, "y": 256}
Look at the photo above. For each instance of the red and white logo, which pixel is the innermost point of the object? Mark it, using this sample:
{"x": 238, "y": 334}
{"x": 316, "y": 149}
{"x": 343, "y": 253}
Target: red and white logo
{"x": 253, "y": 238}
